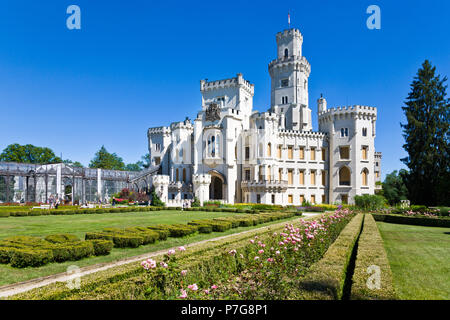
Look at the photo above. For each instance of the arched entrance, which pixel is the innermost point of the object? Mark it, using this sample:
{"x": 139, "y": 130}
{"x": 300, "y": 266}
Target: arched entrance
{"x": 218, "y": 186}
{"x": 215, "y": 188}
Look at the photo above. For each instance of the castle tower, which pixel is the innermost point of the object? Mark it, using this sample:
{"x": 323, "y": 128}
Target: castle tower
{"x": 289, "y": 82}
{"x": 351, "y": 132}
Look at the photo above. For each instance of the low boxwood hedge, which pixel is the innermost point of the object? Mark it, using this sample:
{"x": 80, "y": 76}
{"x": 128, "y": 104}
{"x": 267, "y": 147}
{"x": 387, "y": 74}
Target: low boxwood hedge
{"x": 62, "y": 238}
{"x": 21, "y": 258}
{"x": 326, "y": 278}
{"x": 371, "y": 252}
{"x": 102, "y": 247}
{"x": 443, "y": 222}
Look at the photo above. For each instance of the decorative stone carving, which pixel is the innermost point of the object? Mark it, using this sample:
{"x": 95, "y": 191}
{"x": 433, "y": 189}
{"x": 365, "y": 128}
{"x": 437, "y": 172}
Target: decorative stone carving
{"x": 212, "y": 113}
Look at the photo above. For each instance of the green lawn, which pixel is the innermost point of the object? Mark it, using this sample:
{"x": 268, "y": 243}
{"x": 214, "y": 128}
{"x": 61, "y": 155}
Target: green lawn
{"x": 80, "y": 224}
{"x": 420, "y": 260}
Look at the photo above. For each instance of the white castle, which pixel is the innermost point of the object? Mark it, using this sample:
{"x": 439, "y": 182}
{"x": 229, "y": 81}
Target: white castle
{"x": 235, "y": 154}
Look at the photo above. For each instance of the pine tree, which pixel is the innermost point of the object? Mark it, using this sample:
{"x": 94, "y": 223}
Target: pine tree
{"x": 427, "y": 138}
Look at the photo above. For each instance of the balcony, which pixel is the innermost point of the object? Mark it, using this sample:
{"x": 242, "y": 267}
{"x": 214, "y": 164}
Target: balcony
{"x": 265, "y": 186}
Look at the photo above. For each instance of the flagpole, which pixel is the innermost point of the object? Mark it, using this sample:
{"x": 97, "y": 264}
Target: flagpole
{"x": 289, "y": 19}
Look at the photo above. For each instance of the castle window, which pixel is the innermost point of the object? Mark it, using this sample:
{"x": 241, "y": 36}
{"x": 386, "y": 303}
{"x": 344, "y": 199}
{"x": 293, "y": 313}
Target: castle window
{"x": 247, "y": 153}
{"x": 247, "y": 174}
{"x": 290, "y": 198}
{"x": 324, "y": 177}
{"x": 364, "y": 132}
{"x": 313, "y": 199}
{"x": 290, "y": 152}
{"x": 344, "y": 152}
{"x": 302, "y": 178}
{"x": 324, "y": 152}
{"x": 184, "y": 174}
{"x": 304, "y": 84}
{"x": 258, "y": 198}
{"x": 284, "y": 83}
{"x": 313, "y": 178}
{"x": 344, "y": 176}
{"x": 269, "y": 149}
{"x": 273, "y": 199}
{"x": 302, "y": 199}
{"x": 269, "y": 175}
{"x": 177, "y": 176}
{"x": 302, "y": 153}
{"x": 279, "y": 151}
{"x": 290, "y": 176}
{"x": 286, "y": 53}
{"x": 284, "y": 100}
{"x": 344, "y": 132}
{"x": 261, "y": 151}
{"x": 364, "y": 176}
{"x": 364, "y": 152}
{"x": 313, "y": 153}
{"x": 280, "y": 174}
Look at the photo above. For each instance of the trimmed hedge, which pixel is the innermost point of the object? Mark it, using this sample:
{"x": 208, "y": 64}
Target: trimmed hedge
{"x": 102, "y": 247}
{"x": 4, "y": 214}
{"x": 62, "y": 238}
{"x": 326, "y": 278}
{"x": 371, "y": 252}
{"x": 24, "y": 251}
{"x": 21, "y": 258}
{"x": 417, "y": 221}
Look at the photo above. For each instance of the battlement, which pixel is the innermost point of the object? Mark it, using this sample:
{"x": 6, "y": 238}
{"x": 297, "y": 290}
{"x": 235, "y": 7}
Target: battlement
{"x": 268, "y": 115}
{"x": 280, "y": 62}
{"x": 159, "y": 130}
{"x": 301, "y": 134}
{"x": 289, "y": 33}
{"x": 361, "y": 110}
{"x": 235, "y": 82}
{"x": 182, "y": 125}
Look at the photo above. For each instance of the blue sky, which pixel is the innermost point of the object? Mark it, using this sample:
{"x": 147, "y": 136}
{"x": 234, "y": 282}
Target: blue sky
{"x": 137, "y": 64}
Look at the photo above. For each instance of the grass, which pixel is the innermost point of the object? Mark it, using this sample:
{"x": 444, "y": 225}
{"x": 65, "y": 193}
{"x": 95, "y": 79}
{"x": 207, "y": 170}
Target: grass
{"x": 80, "y": 224}
{"x": 420, "y": 260}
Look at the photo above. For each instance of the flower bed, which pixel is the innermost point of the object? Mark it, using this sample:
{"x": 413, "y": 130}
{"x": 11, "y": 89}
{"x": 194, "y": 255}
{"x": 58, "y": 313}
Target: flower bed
{"x": 325, "y": 279}
{"x": 370, "y": 255}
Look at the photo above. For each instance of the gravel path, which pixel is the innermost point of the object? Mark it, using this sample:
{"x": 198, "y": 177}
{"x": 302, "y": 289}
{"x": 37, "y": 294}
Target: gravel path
{"x": 12, "y": 289}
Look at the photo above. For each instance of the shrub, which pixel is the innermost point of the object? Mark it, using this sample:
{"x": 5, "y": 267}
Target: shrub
{"x": 71, "y": 250}
{"x": 21, "y": 258}
{"x": 205, "y": 228}
{"x": 149, "y": 236}
{"x": 371, "y": 252}
{"x": 196, "y": 202}
{"x": 163, "y": 233}
{"x": 4, "y": 214}
{"x": 19, "y": 213}
{"x": 181, "y": 230}
{"x": 416, "y": 220}
{"x": 5, "y": 254}
{"x": 61, "y": 238}
{"x": 370, "y": 202}
{"x": 127, "y": 241}
{"x": 102, "y": 247}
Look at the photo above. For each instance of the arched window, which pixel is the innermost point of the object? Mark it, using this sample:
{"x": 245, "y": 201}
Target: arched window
{"x": 286, "y": 53}
{"x": 269, "y": 149}
{"x": 261, "y": 150}
{"x": 365, "y": 176}
{"x": 344, "y": 176}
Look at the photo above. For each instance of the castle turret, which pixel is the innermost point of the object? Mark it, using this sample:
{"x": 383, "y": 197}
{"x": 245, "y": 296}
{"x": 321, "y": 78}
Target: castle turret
{"x": 289, "y": 88}
{"x": 321, "y": 104}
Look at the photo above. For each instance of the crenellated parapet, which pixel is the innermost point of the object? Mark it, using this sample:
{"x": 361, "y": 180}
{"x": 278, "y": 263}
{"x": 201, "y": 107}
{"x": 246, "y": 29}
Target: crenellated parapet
{"x": 165, "y": 131}
{"x": 356, "y": 111}
{"x": 235, "y": 82}
{"x": 297, "y": 62}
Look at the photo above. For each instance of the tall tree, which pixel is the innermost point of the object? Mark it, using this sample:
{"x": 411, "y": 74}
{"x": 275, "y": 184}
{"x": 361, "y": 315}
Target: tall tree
{"x": 29, "y": 154}
{"x": 146, "y": 161}
{"x": 427, "y": 138}
{"x": 394, "y": 188}
{"x": 105, "y": 160}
